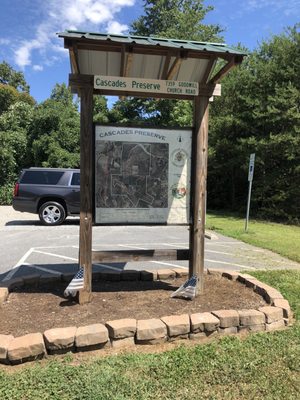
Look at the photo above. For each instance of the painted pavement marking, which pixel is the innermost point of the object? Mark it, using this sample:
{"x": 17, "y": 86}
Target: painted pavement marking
{"x": 56, "y": 255}
{"x": 15, "y": 269}
{"x": 171, "y": 265}
{"x": 229, "y": 263}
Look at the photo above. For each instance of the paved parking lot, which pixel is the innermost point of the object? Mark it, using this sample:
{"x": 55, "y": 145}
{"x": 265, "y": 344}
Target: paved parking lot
{"x": 26, "y": 247}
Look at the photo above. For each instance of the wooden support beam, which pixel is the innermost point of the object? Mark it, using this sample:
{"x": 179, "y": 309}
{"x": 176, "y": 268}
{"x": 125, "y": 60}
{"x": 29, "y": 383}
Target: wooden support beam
{"x": 122, "y": 63}
{"x": 197, "y": 227}
{"x": 128, "y": 63}
{"x": 74, "y": 58}
{"x": 174, "y": 68}
{"x": 140, "y": 255}
{"x": 208, "y": 70}
{"x": 86, "y": 191}
{"x": 227, "y": 67}
{"x": 164, "y": 74}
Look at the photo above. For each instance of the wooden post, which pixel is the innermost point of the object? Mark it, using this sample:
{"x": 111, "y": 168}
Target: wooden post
{"x": 198, "y": 195}
{"x": 86, "y": 191}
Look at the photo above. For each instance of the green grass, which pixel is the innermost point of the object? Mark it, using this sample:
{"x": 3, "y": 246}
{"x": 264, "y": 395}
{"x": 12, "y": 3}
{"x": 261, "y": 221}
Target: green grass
{"x": 261, "y": 366}
{"x": 280, "y": 238}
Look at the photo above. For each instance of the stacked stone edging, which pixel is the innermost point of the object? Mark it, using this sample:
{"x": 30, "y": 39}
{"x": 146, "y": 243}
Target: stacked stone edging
{"x": 129, "y": 332}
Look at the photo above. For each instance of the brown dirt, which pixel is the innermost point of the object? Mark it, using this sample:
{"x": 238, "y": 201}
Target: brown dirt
{"x": 37, "y": 309}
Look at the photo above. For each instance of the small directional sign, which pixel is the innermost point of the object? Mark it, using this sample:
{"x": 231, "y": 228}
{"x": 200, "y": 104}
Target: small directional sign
{"x": 251, "y": 167}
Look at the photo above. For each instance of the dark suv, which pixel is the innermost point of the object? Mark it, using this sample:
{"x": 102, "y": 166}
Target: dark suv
{"x": 52, "y": 193}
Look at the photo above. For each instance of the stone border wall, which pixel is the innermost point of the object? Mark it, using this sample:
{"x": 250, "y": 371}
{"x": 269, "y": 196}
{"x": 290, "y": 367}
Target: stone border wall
{"x": 130, "y": 332}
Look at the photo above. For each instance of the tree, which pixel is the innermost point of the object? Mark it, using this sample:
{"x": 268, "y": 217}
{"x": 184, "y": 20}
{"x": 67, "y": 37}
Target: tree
{"x": 16, "y": 108}
{"x": 100, "y": 111}
{"x": 259, "y": 112}
{"x": 9, "y": 76}
{"x": 54, "y": 131}
{"x": 9, "y": 95}
{"x": 180, "y": 19}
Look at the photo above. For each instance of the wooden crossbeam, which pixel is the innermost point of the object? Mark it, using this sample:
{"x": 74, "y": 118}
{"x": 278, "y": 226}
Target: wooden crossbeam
{"x": 74, "y": 58}
{"x": 174, "y": 68}
{"x": 208, "y": 70}
{"x": 166, "y": 66}
{"x": 227, "y": 67}
{"x": 140, "y": 255}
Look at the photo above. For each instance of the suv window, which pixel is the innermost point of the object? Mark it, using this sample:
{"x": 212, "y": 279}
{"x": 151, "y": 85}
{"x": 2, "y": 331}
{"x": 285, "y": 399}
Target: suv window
{"x": 75, "y": 179}
{"x": 42, "y": 177}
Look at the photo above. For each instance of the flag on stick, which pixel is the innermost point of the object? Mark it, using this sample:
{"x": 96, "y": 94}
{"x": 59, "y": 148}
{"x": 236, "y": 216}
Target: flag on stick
{"x": 188, "y": 289}
{"x": 76, "y": 284}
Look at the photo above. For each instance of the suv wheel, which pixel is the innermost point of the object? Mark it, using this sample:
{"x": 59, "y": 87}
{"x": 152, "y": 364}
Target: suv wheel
{"x": 52, "y": 213}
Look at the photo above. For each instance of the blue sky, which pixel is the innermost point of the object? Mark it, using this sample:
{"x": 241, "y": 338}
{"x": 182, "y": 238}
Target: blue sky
{"x": 28, "y": 41}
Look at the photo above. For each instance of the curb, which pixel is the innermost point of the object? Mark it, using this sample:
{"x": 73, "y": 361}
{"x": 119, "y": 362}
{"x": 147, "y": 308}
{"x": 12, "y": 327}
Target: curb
{"x": 123, "y": 333}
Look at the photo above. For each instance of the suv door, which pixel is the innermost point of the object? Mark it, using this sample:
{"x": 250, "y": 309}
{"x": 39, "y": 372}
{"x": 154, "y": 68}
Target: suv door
{"x": 73, "y": 196}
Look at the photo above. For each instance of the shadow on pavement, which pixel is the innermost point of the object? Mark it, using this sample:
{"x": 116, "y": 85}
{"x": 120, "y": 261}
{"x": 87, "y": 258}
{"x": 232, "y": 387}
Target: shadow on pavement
{"x": 68, "y": 222}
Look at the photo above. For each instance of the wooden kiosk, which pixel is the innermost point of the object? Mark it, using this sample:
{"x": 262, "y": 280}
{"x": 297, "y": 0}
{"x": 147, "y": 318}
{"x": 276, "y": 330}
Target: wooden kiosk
{"x": 160, "y": 68}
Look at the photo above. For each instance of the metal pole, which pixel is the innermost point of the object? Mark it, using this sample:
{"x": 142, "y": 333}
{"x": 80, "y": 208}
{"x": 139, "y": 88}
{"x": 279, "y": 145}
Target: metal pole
{"x": 248, "y": 206}
{"x": 250, "y": 178}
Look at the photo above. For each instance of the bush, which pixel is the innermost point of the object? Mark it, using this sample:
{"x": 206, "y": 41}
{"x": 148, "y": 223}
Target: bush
{"x": 6, "y": 194}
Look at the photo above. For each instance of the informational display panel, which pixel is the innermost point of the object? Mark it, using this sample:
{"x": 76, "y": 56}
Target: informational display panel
{"x": 142, "y": 175}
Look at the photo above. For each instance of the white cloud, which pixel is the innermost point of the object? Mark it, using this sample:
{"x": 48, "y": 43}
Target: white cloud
{"x": 96, "y": 15}
{"x": 116, "y": 28}
{"x": 37, "y": 67}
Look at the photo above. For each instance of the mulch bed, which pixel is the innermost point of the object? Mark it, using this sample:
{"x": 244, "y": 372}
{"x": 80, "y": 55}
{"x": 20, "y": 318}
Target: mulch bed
{"x": 35, "y": 309}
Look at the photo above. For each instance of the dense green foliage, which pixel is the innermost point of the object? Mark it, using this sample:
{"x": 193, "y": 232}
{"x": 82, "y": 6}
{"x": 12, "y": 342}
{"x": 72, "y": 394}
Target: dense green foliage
{"x": 176, "y": 19}
{"x": 263, "y": 365}
{"x": 34, "y": 135}
{"x": 54, "y": 132}
{"x": 259, "y": 112}
{"x": 16, "y": 110}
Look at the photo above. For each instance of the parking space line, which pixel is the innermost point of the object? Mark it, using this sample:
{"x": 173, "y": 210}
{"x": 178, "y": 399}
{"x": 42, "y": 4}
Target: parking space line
{"x": 218, "y": 252}
{"x": 15, "y": 269}
{"x": 171, "y": 265}
{"x": 175, "y": 245}
{"x": 229, "y": 263}
{"x": 56, "y": 255}
{"x": 54, "y": 247}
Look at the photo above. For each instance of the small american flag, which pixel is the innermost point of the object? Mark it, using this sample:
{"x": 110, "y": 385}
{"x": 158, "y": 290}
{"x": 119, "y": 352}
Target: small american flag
{"x": 75, "y": 284}
{"x": 188, "y": 289}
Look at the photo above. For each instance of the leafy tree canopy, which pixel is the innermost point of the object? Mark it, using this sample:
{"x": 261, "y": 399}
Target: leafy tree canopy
{"x": 54, "y": 131}
{"x": 9, "y": 76}
{"x": 180, "y": 19}
{"x": 259, "y": 112}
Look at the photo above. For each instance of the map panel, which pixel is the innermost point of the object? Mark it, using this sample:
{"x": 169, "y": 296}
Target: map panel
{"x": 132, "y": 175}
{"x": 142, "y": 175}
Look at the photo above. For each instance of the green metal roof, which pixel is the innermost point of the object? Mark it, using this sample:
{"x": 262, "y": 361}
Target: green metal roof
{"x": 153, "y": 41}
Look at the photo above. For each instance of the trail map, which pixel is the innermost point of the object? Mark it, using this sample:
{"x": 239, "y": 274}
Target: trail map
{"x": 132, "y": 175}
{"x": 142, "y": 175}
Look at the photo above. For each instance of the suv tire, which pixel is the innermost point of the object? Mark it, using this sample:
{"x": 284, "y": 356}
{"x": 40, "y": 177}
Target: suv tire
{"x": 52, "y": 213}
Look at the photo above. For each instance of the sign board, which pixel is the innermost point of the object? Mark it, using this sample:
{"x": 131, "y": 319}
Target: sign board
{"x": 146, "y": 85}
{"x": 251, "y": 167}
{"x": 142, "y": 175}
